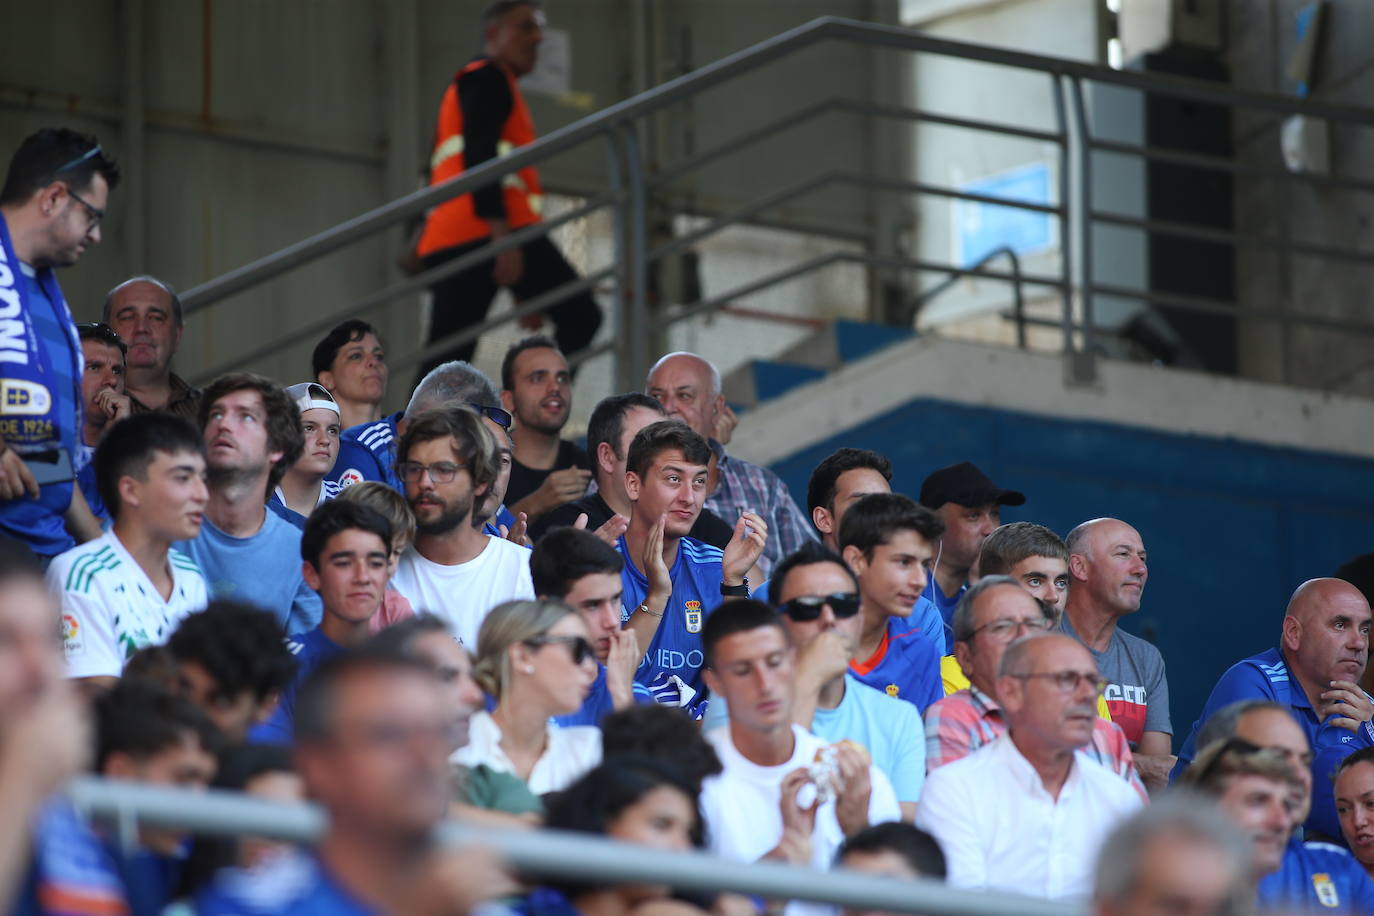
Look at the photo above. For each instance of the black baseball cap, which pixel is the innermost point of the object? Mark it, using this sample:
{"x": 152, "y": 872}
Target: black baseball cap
{"x": 965, "y": 485}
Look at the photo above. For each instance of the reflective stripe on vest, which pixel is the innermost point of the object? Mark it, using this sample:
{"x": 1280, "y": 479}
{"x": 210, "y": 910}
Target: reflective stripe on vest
{"x": 456, "y": 222}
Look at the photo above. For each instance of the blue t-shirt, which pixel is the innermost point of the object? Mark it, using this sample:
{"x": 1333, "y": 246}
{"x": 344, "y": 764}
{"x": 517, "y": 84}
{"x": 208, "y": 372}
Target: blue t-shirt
{"x": 368, "y": 452}
{"x": 545, "y": 901}
{"x": 676, "y": 647}
{"x": 263, "y": 570}
{"x": 38, "y": 523}
{"x": 149, "y": 878}
{"x": 502, "y": 517}
{"x": 906, "y": 665}
{"x": 1266, "y": 676}
{"x": 1316, "y": 877}
{"x": 945, "y": 608}
{"x": 891, "y": 730}
{"x": 599, "y": 703}
{"x": 296, "y": 883}
{"x": 309, "y": 650}
{"x": 85, "y": 479}
{"x": 69, "y": 863}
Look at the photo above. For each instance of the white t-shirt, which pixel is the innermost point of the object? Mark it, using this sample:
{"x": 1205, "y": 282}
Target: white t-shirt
{"x": 570, "y": 753}
{"x": 741, "y": 807}
{"x": 111, "y": 609}
{"x": 1000, "y": 830}
{"x": 463, "y": 594}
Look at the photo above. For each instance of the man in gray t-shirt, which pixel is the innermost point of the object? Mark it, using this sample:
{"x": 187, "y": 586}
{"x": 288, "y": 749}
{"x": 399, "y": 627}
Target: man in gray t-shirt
{"x": 1107, "y": 572}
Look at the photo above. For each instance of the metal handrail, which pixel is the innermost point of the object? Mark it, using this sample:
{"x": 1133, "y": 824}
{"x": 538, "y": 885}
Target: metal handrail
{"x": 617, "y": 124}
{"x": 552, "y": 854}
{"x": 913, "y": 309}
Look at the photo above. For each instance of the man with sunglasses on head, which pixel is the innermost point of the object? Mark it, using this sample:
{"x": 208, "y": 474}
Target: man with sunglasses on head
{"x": 448, "y": 460}
{"x": 818, "y": 596}
{"x": 102, "y": 393}
{"x": 993, "y": 612}
{"x": 1028, "y": 812}
{"x": 1312, "y": 875}
{"x": 51, "y": 207}
{"x": 345, "y": 547}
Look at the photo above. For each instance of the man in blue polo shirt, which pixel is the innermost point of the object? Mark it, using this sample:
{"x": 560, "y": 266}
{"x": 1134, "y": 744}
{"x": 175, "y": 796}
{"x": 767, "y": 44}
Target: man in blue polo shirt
{"x": 51, "y": 206}
{"x": 969, "y": 505}
{"x": 1315, "y": 673}
{"x": 673, "y": 582}
{"x": 889, "y": 541}
{"x": 344, "y": 551}
{"x": 584, "y": 572}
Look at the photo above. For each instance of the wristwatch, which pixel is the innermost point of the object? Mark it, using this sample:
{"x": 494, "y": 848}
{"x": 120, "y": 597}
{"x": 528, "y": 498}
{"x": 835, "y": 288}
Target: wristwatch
{"x": 735, "y": 591}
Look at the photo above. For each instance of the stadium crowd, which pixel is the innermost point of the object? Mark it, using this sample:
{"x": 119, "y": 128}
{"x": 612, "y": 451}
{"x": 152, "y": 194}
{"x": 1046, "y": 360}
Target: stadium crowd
{"x": 455, "y": 612}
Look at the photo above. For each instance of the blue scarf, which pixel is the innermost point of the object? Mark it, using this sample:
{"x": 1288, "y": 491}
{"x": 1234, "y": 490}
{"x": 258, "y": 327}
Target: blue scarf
{"x": 28, "y": 410}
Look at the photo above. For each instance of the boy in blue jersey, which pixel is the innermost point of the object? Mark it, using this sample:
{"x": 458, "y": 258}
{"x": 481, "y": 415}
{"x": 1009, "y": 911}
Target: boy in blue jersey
{"x": 969, "y": 506}
{"x": 145, "y": 734}
{"x": 841, "y": 479}
{"x": 372, "y": 740}
{"x": 579, "y": 569}
{"x": 672, "y": 582}
{"x": 889, "y": 542}
{"x": 51, "y": 207}
{"x": 345, "y": 551}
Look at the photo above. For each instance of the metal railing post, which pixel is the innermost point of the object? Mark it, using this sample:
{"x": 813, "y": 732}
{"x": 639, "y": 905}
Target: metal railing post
{"x": 615, "y": 174}
{"x": 1066, "y": 244}
{"x": 1082, "y": 361}
{"x": 638, "y": 325}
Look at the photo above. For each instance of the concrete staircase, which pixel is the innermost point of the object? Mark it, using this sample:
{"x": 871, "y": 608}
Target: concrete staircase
{"x": 831, "y": 347}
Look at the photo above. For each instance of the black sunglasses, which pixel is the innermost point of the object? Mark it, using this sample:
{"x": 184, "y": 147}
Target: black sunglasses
{"x": 578, "y": 647}
{"x": 99, "y": 330}
{"x": 808, "y": 607}
{"x": 497, "y": 415}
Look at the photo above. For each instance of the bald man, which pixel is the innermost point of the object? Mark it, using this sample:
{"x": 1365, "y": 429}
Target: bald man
{"x": 1314, "y": 673}
{"x": 688, "y": 387}
{"x": 146, "y": 313}
{"x": 1107, "y": 573}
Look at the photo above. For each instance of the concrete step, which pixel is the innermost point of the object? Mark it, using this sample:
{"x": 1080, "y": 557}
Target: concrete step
{"x": 839, "y": 342}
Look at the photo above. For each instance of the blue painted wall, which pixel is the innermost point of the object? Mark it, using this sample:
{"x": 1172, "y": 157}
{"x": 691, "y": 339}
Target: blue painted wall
{"x": 1231, "y": 527}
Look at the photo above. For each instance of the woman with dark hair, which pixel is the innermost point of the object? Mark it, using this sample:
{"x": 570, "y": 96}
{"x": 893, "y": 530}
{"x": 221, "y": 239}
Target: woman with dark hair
{"x": 632, "y": 799}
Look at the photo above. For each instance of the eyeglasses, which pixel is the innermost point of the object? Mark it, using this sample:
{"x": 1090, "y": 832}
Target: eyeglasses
{"x": 439, "y": 471}
{"x": 93, "y": 214}
{"x": 497, "y": 415}
{"x": 1008, "y": 626}
{"x": 84, "y": 157}
{"x": 578, "y": 647}
{"x": 1068, "y": 681}
{"x": 808, "y": 607}
{"x": 99, "y": 330}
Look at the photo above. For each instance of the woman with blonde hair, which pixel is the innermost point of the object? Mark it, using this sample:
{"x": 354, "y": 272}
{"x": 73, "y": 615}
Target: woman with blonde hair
{"x": 535, "y": 659}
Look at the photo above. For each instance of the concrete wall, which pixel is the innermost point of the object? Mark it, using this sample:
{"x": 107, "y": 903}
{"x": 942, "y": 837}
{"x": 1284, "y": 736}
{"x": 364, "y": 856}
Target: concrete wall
{"x": 953, "y": 157}
{"x": 1260, "y": 41}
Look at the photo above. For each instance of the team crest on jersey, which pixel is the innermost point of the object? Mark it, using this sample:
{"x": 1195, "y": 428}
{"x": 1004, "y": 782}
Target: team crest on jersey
{"x": 351, "y": 476}
{"x": 892, "y": 690}
{"x": 692, "y": 611}
{"x": 1326, "y": 890}
{"x": 72, "y": 642}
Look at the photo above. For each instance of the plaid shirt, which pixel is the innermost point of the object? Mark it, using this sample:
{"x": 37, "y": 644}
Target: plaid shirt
{"x": 964, "y": 721}
{"x": 740, "y": 484}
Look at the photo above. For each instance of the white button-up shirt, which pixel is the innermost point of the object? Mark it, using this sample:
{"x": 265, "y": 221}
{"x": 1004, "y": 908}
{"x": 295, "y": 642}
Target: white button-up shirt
{"x": 1001, "y": 830}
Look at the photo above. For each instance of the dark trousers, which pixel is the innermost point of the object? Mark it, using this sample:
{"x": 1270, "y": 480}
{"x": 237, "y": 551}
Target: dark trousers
{"x": 462, "y": 300}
